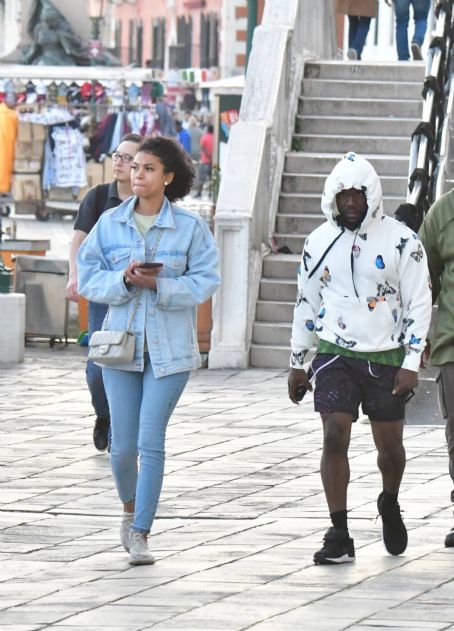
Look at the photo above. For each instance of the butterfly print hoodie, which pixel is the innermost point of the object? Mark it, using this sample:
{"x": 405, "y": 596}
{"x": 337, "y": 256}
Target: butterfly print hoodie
{"x": 366, "y": 289}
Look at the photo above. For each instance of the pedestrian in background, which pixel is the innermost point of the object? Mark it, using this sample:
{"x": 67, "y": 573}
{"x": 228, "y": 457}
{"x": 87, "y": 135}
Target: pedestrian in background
{"x": 363, "y": 291}
{"x": 183, "y": 136}
{"x": 360, "y": 14}
{"x": 437, "y": 235}
{"x": 162, "y": 305}
{"x": 196, "y": 134}
{"x": 166, "y": 121}
{"x": 99, "y": 199}
{"x": 420, "y": 13}
{"x": 206, "y": 158}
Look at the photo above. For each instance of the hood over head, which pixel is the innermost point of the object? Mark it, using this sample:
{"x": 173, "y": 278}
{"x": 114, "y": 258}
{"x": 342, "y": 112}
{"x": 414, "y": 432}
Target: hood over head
{"x": 353, "y": 171}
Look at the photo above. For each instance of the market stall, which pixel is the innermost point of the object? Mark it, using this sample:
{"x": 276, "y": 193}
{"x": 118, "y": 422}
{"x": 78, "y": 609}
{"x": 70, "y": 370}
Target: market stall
{"x": 59, "y": 126}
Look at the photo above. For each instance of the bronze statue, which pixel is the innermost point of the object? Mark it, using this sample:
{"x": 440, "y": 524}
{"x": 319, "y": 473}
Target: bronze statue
{"x": 54, "y": 42}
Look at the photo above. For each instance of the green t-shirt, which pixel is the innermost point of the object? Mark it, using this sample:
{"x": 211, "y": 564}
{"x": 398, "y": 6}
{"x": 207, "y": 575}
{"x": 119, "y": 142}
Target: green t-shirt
{"x": 393, "y": 357}
{"x": 144, "y": 222}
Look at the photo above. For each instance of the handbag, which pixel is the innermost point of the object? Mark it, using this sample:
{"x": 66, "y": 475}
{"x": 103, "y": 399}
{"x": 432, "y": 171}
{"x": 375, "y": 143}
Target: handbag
{"x": 110, "y": 348}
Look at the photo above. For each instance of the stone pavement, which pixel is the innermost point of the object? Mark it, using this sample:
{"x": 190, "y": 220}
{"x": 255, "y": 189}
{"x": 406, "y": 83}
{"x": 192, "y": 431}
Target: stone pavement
{"x": 241, "y": 514}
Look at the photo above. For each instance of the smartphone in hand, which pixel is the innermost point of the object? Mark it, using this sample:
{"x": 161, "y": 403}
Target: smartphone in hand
{"x": 154, "y": 265}
{"x": 301, "y": 390}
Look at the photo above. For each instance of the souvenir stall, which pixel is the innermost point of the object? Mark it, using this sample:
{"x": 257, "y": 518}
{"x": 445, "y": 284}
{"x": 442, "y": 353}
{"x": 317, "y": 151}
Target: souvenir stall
{"x": 68, "y": 121}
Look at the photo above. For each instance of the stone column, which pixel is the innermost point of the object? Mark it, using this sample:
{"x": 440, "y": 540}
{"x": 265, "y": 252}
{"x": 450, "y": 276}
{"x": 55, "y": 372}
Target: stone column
{"x": 12, "y": 328}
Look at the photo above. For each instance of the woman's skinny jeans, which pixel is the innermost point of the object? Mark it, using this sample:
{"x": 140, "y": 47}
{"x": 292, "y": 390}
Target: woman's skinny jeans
{"x": 140, "y": 408}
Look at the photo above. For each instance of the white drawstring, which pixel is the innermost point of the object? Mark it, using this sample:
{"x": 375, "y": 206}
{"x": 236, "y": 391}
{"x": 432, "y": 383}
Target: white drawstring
{"x": 370, "y": 371}
{"x": 322, "y": 366}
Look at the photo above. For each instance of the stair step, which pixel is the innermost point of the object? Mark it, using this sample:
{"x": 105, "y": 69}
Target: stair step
{"x": 313, "y": 163}
{"x": 314, "y": 183}
{"x": 357, "y": 126}
{"x": 317, "y": 143}
{"x": 307, "y": 203}
{"x": 363, "y": 70}
{"x": 278, "y": 289}
{"x": 274, "y": 311}
{"x": 270, "y": 356}
{"x": 407, "y": 108}
{"x": 287, "y": 223}
{"x": 281, "y": 266}
{"x": 361, "y": 89}
{"x": 344, "y": 106}
{"x": 272, "y": 333}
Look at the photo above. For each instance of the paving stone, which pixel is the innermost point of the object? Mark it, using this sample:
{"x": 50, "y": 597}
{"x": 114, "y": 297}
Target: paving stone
{"x": 241, "y": 515}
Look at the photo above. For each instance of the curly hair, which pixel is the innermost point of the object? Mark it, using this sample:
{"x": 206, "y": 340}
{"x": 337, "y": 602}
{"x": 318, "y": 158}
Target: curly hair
{"x": 174, "y": 160}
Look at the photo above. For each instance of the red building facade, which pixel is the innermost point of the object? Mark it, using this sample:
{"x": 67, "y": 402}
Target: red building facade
{"x": 177, "y": 34}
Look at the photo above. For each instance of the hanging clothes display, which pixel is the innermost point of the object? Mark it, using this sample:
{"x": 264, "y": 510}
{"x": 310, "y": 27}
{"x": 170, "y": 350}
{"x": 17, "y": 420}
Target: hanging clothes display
{"x": 118, "y": 132}
{"x": 69, "y": 157}
{"x": 101, "y": 140}
{"x": 114, "y": 92}
{"x": 8, "y": 134}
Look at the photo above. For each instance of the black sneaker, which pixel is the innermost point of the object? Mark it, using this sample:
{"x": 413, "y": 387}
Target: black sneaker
{"x": 449, "y": 541}
{"x": 101, "y": 433}
{"x": 337, "y": 548}
{"x": 394, "y": 532}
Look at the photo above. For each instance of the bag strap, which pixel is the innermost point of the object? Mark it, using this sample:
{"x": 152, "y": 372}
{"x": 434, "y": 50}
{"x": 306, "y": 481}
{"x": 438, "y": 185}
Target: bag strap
{"x": 139, "y": 293}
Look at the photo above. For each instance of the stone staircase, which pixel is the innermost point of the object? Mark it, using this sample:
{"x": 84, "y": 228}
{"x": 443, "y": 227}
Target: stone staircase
{"x": 367, "y": 108}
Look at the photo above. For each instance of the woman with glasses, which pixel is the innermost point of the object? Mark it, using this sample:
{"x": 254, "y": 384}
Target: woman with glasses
{"x": 99, "y": 199}
{"x": 152, "y": 262}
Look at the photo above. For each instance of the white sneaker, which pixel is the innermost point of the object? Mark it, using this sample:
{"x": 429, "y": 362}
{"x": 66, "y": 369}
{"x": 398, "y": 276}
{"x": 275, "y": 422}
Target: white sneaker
{"x": 352, "y": 54}
{"x": 125, "y": 527}
{"x": 138, "y": 550}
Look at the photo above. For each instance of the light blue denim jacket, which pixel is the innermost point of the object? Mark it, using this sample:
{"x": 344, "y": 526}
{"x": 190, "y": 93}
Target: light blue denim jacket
{"x": 189, "y": 277}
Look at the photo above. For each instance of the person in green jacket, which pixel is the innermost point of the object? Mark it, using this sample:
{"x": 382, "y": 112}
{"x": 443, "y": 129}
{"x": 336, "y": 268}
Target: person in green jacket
{"x": 437, "y": 235}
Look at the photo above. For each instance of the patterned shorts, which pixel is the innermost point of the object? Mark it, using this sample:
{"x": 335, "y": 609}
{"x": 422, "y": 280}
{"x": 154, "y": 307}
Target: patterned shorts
{"x": 342, "y": 384}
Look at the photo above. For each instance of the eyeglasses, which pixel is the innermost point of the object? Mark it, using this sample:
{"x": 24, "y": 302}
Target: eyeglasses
{"x": 124, "y": 157}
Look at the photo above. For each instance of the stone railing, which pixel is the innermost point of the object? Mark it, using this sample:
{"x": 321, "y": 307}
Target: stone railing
{"x": 292, "y": 32}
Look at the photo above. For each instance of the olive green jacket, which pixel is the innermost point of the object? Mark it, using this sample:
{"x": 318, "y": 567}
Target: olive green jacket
{"x": 437, "y": 235}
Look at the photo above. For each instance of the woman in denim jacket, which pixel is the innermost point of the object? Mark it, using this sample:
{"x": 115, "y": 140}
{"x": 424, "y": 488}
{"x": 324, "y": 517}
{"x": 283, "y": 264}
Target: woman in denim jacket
{"x": 143, "y": 394}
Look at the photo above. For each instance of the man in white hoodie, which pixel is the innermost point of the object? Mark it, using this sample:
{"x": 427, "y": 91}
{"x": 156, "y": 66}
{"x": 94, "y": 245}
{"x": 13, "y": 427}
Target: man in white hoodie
{"x": 364, "y": 292}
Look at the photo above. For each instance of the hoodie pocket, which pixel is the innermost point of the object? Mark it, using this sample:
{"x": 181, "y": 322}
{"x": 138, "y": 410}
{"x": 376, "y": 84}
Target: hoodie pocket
{"x": 365, "y": 324}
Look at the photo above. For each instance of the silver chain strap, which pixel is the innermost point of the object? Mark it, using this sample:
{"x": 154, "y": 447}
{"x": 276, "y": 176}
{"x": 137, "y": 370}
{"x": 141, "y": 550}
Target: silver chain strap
{"x": 139, "y": 293}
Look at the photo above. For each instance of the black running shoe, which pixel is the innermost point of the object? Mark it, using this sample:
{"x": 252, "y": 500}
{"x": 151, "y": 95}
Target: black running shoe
{"x": 394, "y": 532}
{"x": 449, "y": 541}
{"x": 101, "y": 433}
{"x": 337, "y": 548}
